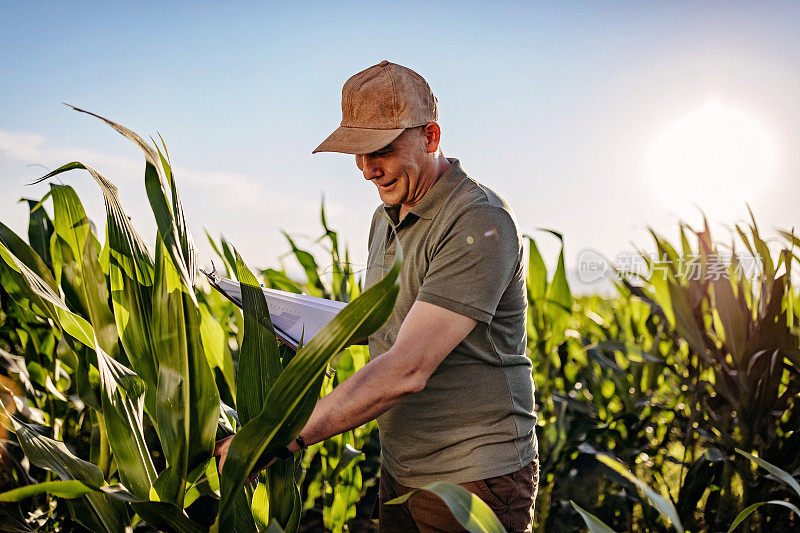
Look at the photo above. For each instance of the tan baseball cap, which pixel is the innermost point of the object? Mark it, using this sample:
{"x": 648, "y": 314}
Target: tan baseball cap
{"x": 377, "y": 105}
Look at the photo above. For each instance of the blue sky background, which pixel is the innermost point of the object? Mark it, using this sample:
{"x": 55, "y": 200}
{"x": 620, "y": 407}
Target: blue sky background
{"x": 552, "y": 104}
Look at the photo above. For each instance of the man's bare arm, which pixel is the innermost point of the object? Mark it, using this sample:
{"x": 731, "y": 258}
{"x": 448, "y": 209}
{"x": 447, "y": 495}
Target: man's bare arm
{"x": 428, "y": 334}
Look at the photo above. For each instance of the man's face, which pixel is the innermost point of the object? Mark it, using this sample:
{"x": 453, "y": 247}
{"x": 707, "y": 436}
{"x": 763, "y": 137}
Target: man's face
{"x": 395, "y": 169}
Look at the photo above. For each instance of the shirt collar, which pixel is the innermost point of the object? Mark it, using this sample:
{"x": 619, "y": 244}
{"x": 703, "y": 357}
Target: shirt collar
{"x": 430, "y": 204}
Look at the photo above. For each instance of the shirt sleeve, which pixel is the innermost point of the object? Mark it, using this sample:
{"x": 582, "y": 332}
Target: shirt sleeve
{"x": 473, "y": 264}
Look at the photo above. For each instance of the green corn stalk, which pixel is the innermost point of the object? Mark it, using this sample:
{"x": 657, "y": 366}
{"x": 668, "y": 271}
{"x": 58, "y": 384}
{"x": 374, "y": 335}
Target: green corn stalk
{"x": 123, "y": 307}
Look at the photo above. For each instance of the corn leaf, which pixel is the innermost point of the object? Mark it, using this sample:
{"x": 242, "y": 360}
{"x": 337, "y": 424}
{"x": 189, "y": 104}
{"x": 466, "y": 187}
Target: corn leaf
{"x": 228, "y": 255}
{"x": 733, "y": 317}
{"x": 105, "y": 502}
{"x": 172, "y": 396}
{"x": 684, "y": 320}
{"x": 559, "y": 304}
{"x": 23, "y": 282}
{"x": 188, "y": 247}
{"x": 259, "y": 368}
{"x": 470, "y": 511}
{"x": 160, "y": 195}
{"x": 166, "y": 516}
{"x": 259, "y": 357}
{"x": 121, "y": 388}
{"x": 594, "y": 524}
{"x": 69, "y": 489}
{"x": 217, "y": 251}
{"x": 40, "y": 228}
{"x": 82, "y": 268}
{"x": 349, "y": 455}
{"x": 204, "y": 401}
{"x": 658, "y": 501}
{"x": 537, "y": 272}
{"x": 310, "y": 267}
{"x": 27, "y": 255}
{"x": 749, "y": 510}
{"x": 215, "y": 345}
{"x": 243, "y": 521}
{"x": 131, "y": 277}
{"x": 283, "y": 495}
{"x": 774, "y": 470}
{"x": 762, "y": 249}
{"x": 259, "y": 506}
{"x": 122, "y": 410}
{"x": 53, "y": 455}
{"x": 291, "y": 399}
{"x": 187, "y": 399}
{"x": 61, "y": 489}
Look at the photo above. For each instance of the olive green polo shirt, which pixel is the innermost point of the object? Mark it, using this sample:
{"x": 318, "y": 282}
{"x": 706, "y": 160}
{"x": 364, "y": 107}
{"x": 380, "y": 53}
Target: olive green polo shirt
{"x": 475, "y": 417}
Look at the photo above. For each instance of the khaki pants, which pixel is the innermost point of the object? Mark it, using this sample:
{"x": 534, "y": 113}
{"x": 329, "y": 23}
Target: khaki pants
{"x": 511, "y": 497}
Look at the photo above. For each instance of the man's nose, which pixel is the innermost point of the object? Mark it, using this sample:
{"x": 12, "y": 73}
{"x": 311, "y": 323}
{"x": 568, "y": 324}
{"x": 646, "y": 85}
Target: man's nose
{"x": 371, "y": 168}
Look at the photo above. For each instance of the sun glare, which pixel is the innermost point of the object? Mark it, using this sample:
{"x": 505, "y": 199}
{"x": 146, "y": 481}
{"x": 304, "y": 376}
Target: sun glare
{"x": 716, "y": 157}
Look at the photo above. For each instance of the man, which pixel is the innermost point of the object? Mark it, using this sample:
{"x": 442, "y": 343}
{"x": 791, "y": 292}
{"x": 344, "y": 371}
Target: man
{"x": 448, "y": 379}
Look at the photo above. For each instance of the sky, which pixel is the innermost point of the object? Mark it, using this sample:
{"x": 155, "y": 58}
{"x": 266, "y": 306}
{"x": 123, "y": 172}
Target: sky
{"x": 597, "y": 120}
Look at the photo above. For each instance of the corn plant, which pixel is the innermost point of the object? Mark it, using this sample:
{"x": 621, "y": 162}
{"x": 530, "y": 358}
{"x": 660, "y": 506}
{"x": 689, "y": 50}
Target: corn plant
{"x": 742, "y": 367}
{"x": 668, "y": 511}
{"x": 606, "y": 378}
{"x": 664, "y": 507}
{"x": 334, "y": 479}
{"x": 621, "y": 376}
{"x": 336, "y": 474}
{"x": 119, "y": 369}
{"x": 782, "y": 476}
{"x": 142, "y": 360}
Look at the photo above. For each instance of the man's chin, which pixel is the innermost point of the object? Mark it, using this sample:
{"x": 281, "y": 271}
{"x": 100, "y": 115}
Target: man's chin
{"x": 390, "y": 199}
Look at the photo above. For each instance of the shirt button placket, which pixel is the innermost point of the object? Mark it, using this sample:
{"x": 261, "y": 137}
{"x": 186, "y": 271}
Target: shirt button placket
{"x": 388, "y": 256}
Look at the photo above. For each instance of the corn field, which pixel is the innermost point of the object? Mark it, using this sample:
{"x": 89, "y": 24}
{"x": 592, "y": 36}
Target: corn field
{"x": 670, "y": 406}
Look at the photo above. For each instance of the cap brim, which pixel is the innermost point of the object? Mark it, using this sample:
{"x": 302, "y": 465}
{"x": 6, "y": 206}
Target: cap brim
{"x": 357, "y": 140}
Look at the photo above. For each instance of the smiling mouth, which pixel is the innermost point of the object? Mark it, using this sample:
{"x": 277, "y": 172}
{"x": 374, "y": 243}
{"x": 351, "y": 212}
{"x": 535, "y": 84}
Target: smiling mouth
{"x": 387, "y": 185}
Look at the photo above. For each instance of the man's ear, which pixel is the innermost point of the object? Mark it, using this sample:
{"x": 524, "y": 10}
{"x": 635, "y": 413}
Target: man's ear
{"x": 433, "y": 135}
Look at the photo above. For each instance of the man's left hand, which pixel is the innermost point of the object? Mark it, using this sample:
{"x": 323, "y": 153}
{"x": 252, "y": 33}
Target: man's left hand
{"x": 221, "y": 451}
